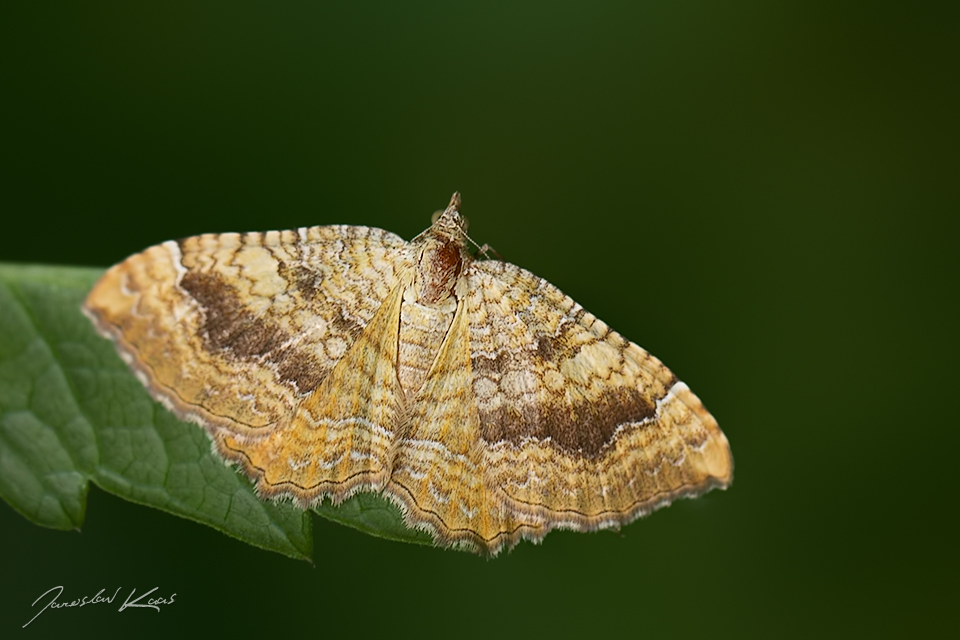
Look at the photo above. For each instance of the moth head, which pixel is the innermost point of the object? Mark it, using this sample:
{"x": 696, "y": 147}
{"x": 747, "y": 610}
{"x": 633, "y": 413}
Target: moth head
{"x": 450, "y": 222}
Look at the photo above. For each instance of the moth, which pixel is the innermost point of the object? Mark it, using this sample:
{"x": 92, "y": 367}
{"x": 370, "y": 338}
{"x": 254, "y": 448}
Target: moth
{"x": 489, "y": 406}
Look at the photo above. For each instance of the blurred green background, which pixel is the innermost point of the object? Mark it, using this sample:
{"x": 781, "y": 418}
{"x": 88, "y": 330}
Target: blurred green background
{"x": 764, "y": 195}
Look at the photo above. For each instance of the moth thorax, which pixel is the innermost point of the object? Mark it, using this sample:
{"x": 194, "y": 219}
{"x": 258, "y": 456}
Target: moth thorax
{"x": 440, "y": 263}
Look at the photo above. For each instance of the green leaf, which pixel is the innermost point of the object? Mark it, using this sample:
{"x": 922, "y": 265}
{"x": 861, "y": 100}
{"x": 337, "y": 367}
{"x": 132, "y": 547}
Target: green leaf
{"x": 72, "y": 412}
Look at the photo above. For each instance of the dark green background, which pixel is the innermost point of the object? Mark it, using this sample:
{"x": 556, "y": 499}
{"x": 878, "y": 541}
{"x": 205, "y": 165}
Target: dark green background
{"x": 763, "y": 194}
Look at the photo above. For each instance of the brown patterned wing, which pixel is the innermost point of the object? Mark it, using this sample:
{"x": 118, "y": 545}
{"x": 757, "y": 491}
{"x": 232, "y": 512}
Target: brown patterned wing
{"x": 341, "y": 437}
{"x": 581, "y": 429}
{"x": 438, "y": 478}
{"x": 242, "y": 333}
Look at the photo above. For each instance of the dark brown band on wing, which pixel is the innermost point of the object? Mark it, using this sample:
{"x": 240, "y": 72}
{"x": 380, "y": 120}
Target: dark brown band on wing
{"x": 230, "y": 328}
{"x": 581, "y": 427}
{"x": 577, "y": 429}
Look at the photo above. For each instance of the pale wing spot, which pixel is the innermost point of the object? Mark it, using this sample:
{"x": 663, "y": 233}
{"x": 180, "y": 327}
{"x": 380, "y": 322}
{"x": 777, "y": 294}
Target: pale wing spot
{"x": 252, "y": 400}
{"x": 336, "y": 347}
{"x": 554, "y": 380}
{"x": 532, "y": 480}
{"x": 416, "y": 474}
{"x": 296, "y": 465}
{"x": 597, "y": 359}
{"x": 330, "y": 463}
{"x": 484, "y": 387}
{"x": 176, "y": 259}
{"x": 438, "y": 448}
{"x": 442, "y": 498}
{"x": 517, "y": 383}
